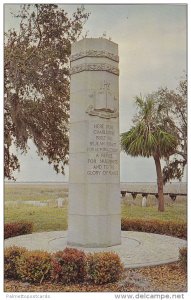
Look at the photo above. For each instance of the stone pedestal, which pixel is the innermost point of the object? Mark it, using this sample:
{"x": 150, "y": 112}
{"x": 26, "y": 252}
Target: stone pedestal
{"x": 94, "y": 179}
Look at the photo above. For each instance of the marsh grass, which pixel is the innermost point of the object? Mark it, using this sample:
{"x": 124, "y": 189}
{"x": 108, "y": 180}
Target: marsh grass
{"x": 36, "y": 192}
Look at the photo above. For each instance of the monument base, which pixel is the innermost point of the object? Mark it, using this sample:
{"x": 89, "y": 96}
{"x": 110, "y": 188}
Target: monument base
{"x": 137, "y": 249}
{"x": 94, "y": 231}
{"x": 92, "y": 245}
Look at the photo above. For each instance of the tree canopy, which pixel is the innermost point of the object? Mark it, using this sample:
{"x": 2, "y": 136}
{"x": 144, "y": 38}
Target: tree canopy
{"x": 174, "y": 116}
{"x": 36, "y": 83}
{"x": 160, "y": 131}
{"x": 150, "y": 138}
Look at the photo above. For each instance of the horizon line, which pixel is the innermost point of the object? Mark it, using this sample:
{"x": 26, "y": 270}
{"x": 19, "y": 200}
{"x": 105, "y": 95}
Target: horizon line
{"x": 51, "y": 181}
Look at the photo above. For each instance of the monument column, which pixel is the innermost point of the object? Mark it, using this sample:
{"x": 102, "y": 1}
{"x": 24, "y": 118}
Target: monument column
{"x": 94, "y": 180}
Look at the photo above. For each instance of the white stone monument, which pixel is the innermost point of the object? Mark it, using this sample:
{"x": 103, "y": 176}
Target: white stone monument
{"x": 94, "y": 180}
{"x": 60, "y": 202}
{"x": 144, "y": 201}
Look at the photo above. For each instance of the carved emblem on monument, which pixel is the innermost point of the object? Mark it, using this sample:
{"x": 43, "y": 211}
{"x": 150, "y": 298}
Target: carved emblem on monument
{"x": 104, "y": 103}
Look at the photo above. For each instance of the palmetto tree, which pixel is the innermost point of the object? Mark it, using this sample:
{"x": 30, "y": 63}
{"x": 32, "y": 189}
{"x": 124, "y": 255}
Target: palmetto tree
{"x": 148, "y": 137}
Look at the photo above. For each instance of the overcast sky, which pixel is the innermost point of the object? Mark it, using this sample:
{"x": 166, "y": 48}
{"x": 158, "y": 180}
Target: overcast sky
{"x": 152, "y": 52}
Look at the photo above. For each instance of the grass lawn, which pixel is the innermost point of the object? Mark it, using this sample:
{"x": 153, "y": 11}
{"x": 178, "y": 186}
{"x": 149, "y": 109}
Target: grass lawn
{"x": 43, "y": 218}
{"x": 177, "y": 211}
{"x": 53, "y": 218}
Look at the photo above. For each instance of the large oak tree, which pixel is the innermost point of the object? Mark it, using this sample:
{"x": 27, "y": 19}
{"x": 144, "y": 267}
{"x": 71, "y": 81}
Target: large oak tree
{"x": 36, "y": 83}
{"x": 174, "y": 117}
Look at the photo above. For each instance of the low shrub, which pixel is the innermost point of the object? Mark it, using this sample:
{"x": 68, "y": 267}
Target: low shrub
{"x": 11, "y": 256}
{"x": 69, "y": 266}
{"x": 17, "y": 228}
{"x": 34, "y": 266}
{"x": 103, "y": 267}
{"x": 183, "y": 257}
{"x": 155, "y": 226}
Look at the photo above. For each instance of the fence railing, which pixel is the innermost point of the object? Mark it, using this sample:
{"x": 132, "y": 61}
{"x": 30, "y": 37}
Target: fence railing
{"x": 146, "y": 194}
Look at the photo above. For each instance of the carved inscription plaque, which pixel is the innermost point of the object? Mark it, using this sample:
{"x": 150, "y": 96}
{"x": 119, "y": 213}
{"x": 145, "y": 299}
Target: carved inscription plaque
{"x": 102, "y": 150}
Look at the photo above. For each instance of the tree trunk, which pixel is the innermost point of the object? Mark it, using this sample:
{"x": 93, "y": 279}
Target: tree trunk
{"x": 159, "y": 183}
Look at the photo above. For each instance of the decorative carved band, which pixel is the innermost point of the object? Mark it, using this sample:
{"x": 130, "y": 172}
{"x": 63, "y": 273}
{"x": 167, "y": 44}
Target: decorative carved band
{"x": 94, "y": 53}
{"x": 94, "y": 67}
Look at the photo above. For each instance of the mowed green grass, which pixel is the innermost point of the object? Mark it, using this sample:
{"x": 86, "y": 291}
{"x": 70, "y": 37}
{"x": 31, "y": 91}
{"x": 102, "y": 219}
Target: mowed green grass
{"x": 176, "y": 212}
{"x": 46, "y": 218}
{"x": 53, "y": 218}
{"x": 43, "y": 218}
